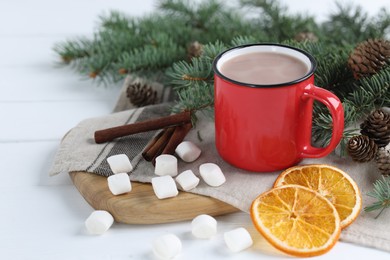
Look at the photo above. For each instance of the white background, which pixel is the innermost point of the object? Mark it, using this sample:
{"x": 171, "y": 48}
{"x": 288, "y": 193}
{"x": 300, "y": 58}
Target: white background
{"x": 43, "y": 217}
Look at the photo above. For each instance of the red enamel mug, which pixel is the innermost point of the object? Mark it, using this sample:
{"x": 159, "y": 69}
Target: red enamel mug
{"x": 264, "y": 128}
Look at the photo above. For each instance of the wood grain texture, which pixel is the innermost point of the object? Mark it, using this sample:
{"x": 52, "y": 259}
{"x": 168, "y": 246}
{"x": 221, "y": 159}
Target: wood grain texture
{"x": 141, "y": 206}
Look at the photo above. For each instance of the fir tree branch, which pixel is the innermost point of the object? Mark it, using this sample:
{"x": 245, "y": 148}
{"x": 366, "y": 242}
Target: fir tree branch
{"x": 161, "y": 52}
{"x": 332, "y": 72}
{"x": 211, "y": 50}
{"x": 197, "y": 98}
{"x": 380, "y": 192}
{"x": 73, "y": 49}
{"x": 117, "y": 21}
{"x": 382, "y": 23}
{"x": 277, "y": 24}
{"x": 371, "y": 92}
{"x": 242, "y": 40}
{"x": 350, "y": 24}
{"x": 208, "y": 21}
{"x": 322, "y": 125}
{"x": 183, "y": 74}
{"x": 176, "y": 7}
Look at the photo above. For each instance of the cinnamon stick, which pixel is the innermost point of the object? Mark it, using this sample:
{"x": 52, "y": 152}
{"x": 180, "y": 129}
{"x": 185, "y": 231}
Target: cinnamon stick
{"x": 109, "y": 134}
{"x": 153, "y": 142}
{"x": 177, "y": 137}
{"x": 157, "y": 148}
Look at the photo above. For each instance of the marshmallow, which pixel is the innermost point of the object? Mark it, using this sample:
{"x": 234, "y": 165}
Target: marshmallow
{"x": 166, "y": 164}
{"x": 164, "y": 187}
{"x": 212, "y": 174}
{"x": 238, "y": 239}
{"x": 204, "y": 226}
{"x": 187, "y": 180}
{"x": 188, "y": 151}
{"x": 119, "y": 163}
{"x": 119, "y": 183}
{"x": 99, "y": 222}
{"x": 167, "y": 246}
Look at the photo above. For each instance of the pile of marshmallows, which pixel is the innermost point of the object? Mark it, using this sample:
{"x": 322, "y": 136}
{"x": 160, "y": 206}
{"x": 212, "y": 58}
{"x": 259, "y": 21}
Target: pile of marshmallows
{"x": 164, "y": 186}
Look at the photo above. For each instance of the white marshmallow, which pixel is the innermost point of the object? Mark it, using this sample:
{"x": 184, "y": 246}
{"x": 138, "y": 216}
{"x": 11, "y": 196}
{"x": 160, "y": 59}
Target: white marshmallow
{"x": 187, "y": 180}
{"x": 212, "y": 174}
{"x": 204, "y": 226}
{"x": 166, "y": 164}
{"x": 238, "y": 239}
{"x": 99, "y": 222}
{"x": 167, "y": 246}
{"x": 119, "y": 163}
{"x": 119, "y": 183}
{"x": 164, "y": 187}
{"x": 188, "y": 151}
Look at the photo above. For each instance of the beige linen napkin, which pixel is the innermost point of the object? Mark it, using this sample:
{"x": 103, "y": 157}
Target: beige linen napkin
{"x": 79, "y": 152}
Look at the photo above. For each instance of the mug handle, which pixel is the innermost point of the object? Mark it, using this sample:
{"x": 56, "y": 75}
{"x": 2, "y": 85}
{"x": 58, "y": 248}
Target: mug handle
{"x": 335, "y": 107}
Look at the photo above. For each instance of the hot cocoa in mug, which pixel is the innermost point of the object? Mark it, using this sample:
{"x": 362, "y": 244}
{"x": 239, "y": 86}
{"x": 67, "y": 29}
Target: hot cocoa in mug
{"x": 264, "y": 97}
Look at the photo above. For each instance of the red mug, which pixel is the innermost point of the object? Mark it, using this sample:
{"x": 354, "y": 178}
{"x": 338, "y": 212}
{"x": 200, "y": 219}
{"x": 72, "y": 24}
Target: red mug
{"x": 264, "y": 128}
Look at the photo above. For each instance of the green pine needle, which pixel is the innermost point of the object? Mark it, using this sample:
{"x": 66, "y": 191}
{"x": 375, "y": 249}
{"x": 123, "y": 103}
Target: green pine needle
{"x": 381, "y": 192}
{"x": 184, "y": 74}
{"x": 211, "y": 50}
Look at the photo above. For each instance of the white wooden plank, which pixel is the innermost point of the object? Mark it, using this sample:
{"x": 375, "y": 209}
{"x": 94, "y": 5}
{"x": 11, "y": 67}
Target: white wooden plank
{"x": 34, "y": 73}
{"x": 43, "y": 17}
{"x": 29, "y": 121}
{"x": 28, "y": 51}
{"x": 45, "y": 82}
{"x": 28, "y": 164}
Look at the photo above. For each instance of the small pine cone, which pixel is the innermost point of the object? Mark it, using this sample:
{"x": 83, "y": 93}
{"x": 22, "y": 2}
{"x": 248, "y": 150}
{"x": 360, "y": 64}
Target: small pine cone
{"x": 383, "y": 161}
{"x": 93, "y": 74}
{"x": 369, "y": 57}
{"x": 361, "y": 148}
{"x": 195, "y": 49}
{"x": 123, "y": 71}
{"x": 306, "y": 36}
{"x": 141, "y": 94}
{"x": 66, "y": 59}
{"x": 377, "y": 127}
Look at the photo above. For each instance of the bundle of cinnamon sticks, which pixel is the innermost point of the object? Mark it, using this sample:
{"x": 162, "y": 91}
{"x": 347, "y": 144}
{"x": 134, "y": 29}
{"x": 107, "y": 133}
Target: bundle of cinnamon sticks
{"x": 174, "y": 129}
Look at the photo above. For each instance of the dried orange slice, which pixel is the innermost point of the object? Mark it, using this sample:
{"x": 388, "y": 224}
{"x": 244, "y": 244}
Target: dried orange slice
{"x": 332, "y": 183}
{"x": 296, "y": 220}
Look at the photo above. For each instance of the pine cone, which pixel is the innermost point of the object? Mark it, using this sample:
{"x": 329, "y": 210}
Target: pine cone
{"x": 141, "y": 94}
{"x": 195, "y": 49}
{"x": 369, "y": 57}
{"x": 377, "y": 127}
{"x": 306, "y": 36}
{"x": 361, "y": 148}
{"x": 383, "y": 161}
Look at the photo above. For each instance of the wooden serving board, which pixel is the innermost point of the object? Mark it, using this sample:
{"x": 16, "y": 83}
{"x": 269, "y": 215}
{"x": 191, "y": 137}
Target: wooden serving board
{"x": 141, "y": 206}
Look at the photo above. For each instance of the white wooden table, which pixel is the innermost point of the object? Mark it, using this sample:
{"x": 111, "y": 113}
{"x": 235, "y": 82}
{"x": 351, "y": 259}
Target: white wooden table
{"x": 43, "y": 217}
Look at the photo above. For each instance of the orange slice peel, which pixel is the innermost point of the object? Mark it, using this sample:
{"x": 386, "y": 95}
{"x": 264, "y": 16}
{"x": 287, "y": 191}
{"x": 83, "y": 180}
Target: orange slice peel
{"x": 332, "y": 183}
{"x": 296, "y": 220}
